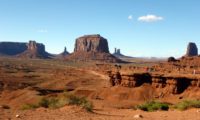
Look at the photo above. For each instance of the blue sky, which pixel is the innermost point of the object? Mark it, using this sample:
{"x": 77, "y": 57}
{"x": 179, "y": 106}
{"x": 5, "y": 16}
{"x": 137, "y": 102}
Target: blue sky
{"x": 158, "y": 28}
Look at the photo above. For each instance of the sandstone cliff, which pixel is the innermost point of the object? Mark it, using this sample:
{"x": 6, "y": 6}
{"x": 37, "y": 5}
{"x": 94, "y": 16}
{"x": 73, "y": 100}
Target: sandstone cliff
{"x": 92, "y": 47}
{"x": 25, "y": 50}
{"x": 12, "y": 48}
{"x": 166, "y": 84}
{"x": 34, "y": 50}
{"x": 94, "y": 43}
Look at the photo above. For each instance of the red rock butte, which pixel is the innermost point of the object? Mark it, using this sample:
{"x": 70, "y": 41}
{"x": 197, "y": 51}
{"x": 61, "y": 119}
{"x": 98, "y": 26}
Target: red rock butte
{"x": 94, "y": 43}
{"x": 92, "y": 47}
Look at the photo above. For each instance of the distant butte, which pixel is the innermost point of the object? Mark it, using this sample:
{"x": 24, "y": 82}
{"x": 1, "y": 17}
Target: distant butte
{"x": 92, "y": 47}
{"x": 192, "y": 50}
{"x": 34, "y": 50}
{"x": 24, "y": 50}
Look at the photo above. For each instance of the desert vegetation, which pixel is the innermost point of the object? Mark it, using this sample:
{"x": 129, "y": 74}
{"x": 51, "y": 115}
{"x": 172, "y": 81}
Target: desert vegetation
{"x": 187, "y": 104}
{"x": 60, "y": 101}
{"x": 153, "y": 106}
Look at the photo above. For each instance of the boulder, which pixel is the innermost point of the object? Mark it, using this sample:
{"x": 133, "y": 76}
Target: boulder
{"x": 138, "y": 116}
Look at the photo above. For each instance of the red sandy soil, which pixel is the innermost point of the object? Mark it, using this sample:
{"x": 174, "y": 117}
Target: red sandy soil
{"x": 76, "y": 113}
{"x": 56, "y": 75}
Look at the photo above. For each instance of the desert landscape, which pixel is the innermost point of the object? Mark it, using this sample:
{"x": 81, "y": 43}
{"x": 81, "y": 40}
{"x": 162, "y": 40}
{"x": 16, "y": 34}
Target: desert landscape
{"x": 91, "y": 83}
{"x": 99, "y": 60}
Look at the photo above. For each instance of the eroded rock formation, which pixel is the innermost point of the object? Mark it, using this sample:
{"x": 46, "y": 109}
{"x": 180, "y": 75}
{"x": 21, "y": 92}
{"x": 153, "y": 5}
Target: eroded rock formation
{"x": 192, "y": 49}
{"x": 65, "y": 52}
{"x": 94, "y": 43}
{"x": 117, "y": 53}
{"x": 34, "y": 50}
{"x": 30, "y": 50}
{"x": 12, "y": 48}
{"x": 92, "y": 47}
{"x": 166, "y": 84}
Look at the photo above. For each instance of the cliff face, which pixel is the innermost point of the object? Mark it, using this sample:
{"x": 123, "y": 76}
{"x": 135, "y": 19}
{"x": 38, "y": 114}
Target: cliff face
{"x": 12, "y": 48}
{"x": 94, "y": 43}
{"x": 92, "y": 47}
{"x": 165, "y": 84}
{"x": 30, "y": 50}
{"x": 36, "y": 47}
{"x": 34, "y": 50}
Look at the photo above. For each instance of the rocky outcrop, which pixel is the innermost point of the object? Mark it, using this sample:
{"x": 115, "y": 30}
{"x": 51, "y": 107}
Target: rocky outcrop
{"x": 26, "y": 50}
{"x": 92, "y": 48}
{"x": 117, "y": 53}
{"x": 62, "y": 55}
{"x": 65, "y": 52}
{"x": 12, "y": 48}
{"x": 34, "y": 50}
{"x": 192, "y": 50}
{"x": 172, "y": 59}
{"x": 166, "y": 84}
{"x": 91, "y": 43}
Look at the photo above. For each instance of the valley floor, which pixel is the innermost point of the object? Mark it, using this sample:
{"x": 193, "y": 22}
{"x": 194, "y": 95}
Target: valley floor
{"x": 27, "y": 81}
{"x": 76, "y": 113}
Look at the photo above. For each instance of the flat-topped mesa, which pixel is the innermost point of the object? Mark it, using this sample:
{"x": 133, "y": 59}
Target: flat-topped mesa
{"x": 192, "y": 50}
{"x": 92, "y": 48}
{"x": 91, "y": 43}
{"x": 22, "y": 49}
{"x": 12, "y": 48}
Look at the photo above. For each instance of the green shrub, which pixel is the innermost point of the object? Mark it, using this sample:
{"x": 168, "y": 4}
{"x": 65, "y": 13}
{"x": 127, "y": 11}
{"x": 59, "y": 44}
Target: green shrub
{"x": 83, "y": 102}
{"x": 153, "y": 106}
{"x": 60, "y": 101}
{"x": 29, "y": 106}
{"x": 86, "y": 104}
{"x": 44, "y": 102}
{"x": 187, "y": 104}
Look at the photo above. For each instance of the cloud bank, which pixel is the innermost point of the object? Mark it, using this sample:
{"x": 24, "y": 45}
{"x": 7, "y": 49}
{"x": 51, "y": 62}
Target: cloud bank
{"x": 150, "y": 18}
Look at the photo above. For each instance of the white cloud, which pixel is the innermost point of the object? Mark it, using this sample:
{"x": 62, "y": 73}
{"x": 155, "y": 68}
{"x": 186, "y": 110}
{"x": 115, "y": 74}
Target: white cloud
{"x": 130, "y": 17}
{"x": 42, "y": 31}
{"x": 150, "y": 18}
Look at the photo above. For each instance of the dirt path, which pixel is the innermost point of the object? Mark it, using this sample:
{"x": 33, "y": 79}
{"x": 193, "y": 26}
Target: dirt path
{"x": 105, "y": 82}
